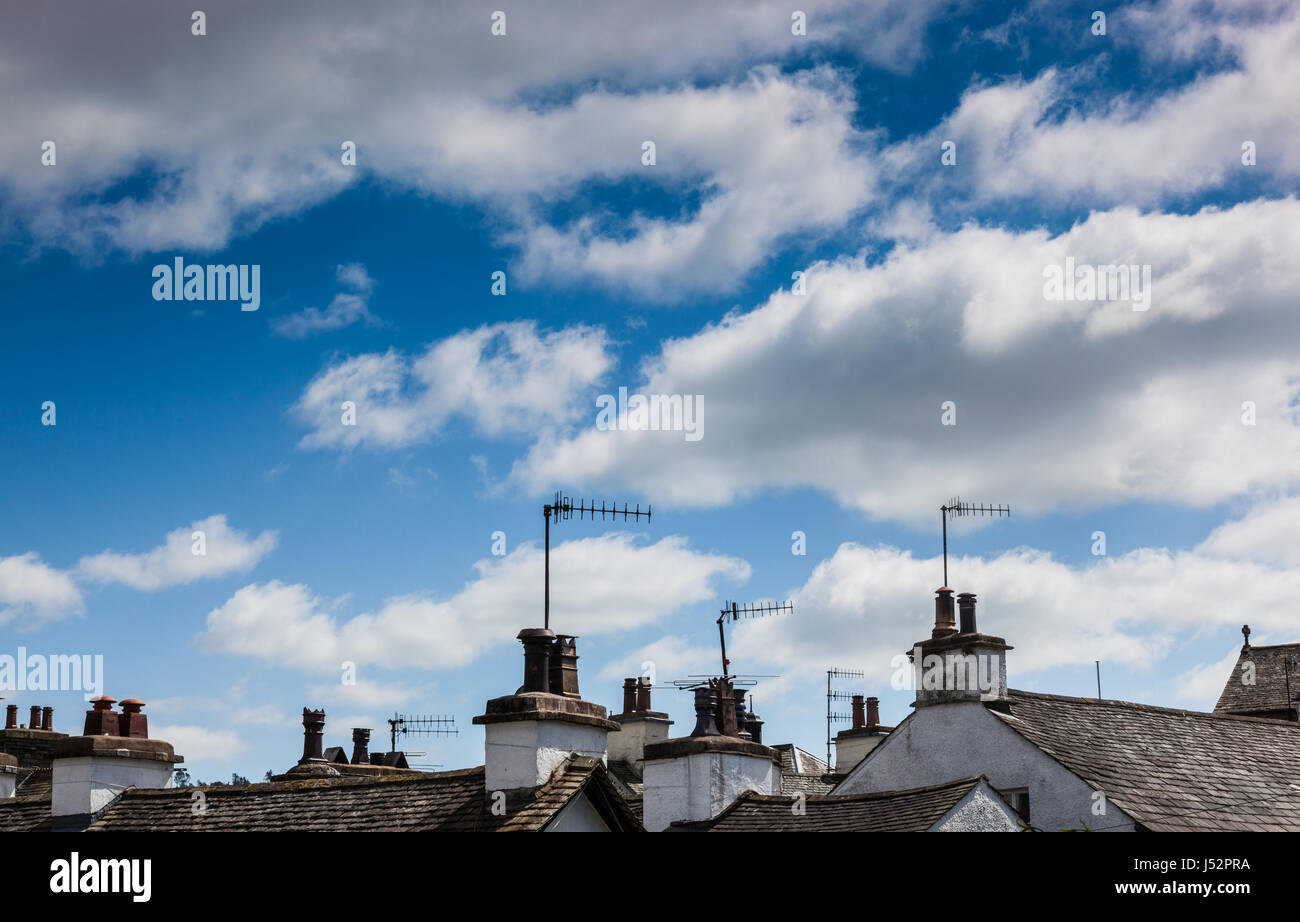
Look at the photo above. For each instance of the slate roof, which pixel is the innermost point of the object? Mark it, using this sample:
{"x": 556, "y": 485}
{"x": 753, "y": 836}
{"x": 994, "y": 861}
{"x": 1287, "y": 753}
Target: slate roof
{"x": 807, "y": 784}
{"x": 795, "y": 761}
{"x": 628, "y": 775}
{"x": 436, "y": 802}
{"x": 915, "y": 810}
{"x": 33, "y": 783}
{"x": 1269, "y": 693}
{"x": 25, "y": 815}
{"x": 1169, "y": 769}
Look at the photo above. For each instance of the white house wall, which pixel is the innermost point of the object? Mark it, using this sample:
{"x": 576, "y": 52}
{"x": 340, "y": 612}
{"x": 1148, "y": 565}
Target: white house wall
{"x": 944, "y": 742}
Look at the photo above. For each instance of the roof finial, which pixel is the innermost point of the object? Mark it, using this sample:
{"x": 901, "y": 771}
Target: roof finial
{"x": 1245, "y": 632}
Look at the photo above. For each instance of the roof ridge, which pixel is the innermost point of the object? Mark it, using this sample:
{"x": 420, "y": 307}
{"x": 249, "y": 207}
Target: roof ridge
{"x": 354, "y": 781}
{"x": 1139, "y": 706}
{"x": 968, "y": 781}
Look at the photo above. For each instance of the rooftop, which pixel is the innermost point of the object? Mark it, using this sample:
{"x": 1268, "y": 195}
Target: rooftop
{"x": 1170, "y": 769}
{"x": 915, "y": 810}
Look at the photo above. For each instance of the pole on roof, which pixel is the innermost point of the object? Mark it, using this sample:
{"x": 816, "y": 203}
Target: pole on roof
{"x": 1098, "y": 662}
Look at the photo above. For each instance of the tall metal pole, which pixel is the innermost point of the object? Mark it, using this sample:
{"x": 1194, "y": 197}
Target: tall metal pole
{"x": 828, "y": 714}
{"x": 547, "y": 610}
{"x": 1098, "y": 662}
{"x": 943, "y": 514}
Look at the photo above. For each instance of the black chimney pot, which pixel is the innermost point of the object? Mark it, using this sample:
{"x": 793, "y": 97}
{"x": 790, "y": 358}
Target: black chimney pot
{"x": 537, "y": 643}
{"x": 313, "y": 727}
{"x": 360, "y": 745}
{"x": 966, "y": 607}
{"x": 706, "y": 707}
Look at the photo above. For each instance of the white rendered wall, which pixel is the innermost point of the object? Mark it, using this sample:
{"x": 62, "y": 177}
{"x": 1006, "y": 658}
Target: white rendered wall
{"x": 627, "y": 744}
{"x": 8, "y": 782}
{"x": 524, "y": 753}
{"x": 578, "y": 816}
{"x": 943, "y": 742}
{"x": 699, "y": 786}
{"x": 980, "y": 810}
{"x": 851, "y": 750}
{"x": 87, "y": 784}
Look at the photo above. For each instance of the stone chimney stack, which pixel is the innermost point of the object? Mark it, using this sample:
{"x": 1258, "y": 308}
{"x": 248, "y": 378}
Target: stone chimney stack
{"x": 529, "y": 734}
{"x": 959, "y": 665}
{"x": 855, "y": 744}
{"x": 90, "y": 771}
{"x": 638, "y": 725}
{"x": 693, "y": 778}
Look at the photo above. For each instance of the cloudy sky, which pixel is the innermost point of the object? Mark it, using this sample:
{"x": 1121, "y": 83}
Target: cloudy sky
{"x": 828, "y": 224}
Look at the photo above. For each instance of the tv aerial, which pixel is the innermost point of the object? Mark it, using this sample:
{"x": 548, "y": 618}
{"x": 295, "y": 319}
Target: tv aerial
{"x": 956, "y": 508}
{"x": 563, "y": 508}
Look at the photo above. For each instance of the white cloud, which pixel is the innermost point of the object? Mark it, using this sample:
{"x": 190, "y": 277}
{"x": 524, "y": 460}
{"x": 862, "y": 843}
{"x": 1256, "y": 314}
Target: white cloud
{"x": 228, "y": 550}
{"x": 1204, "y": 683}
{"x": 506, "y": 378}
{"x": 201, "y": 744}
{"x": 1059, "y": 403}
{"x": 347, "y": 307}
{"x": 1055, "y": 138}
{"x": 439, "y": 106}
{"x": 33, "y": 593}
{"x": 864, "y": 605}
{"x": 600, "y": 585}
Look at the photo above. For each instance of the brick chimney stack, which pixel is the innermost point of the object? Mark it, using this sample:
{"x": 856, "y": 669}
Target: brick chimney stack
{"x": 34, "y": 722}
{"x": 101, "y": 719}
{"x": 11, "y": 717}
{"x": 131, "y": 723}
{"x": 47, "y": 718}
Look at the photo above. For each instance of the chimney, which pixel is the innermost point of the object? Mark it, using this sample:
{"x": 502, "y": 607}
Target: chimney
{"x": 537, "y": 643}
{"x": 564, "y": 666}
{"x": 313, "y": 735}
{"x": 11, "y": 717}
{"x": 695, "y": 777}
{"x": 966, "y": 606}
{"x": 754, "y": 725}
{"x": 47, "y": 718}
{"x": 638, "y": 725}
{"x": 101, "y": 719}
{"x": 959, "y": 666}
{"x": 89, "y": 772}
{"x": 131, "y": 722}
{"x": 706, "y": 707}
{"x": 34, "y": 722}
{"x": 855, "y": 744}
{"x": 360, "y": 746}
{"x": 944, "y": 622}
{"x": 528, "y": 735}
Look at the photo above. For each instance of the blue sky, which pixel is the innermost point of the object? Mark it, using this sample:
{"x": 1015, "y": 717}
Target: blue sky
{"x": 775, "y": 154}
